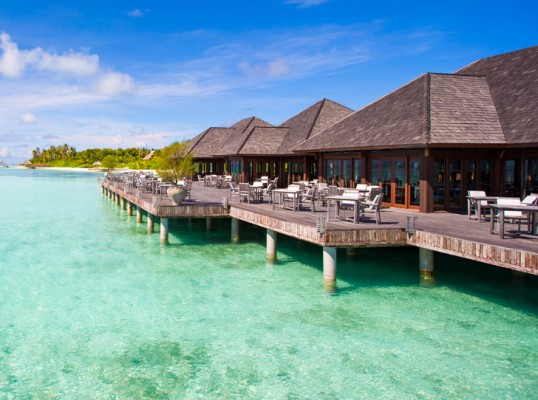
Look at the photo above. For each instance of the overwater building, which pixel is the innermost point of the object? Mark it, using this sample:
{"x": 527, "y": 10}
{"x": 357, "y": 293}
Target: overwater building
{"x": 427, "y": 143}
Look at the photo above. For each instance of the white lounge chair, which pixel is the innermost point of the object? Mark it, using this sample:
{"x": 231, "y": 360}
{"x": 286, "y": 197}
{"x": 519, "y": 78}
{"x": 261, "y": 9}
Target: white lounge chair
{"x": 309, "y": 198}
{"x": 512, "y": 216}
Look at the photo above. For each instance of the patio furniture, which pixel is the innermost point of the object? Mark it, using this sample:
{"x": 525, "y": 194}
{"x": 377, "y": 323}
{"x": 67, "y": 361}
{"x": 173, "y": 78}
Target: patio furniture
{"x": 309, "y": 198}
{"x": 245, "y": 193}
{"x": 478, "y": 201}
{"x": 287, "y": 196}
{"x": 373, "y": 207}
{"x": 502, "y": 211}
{"x": 350, "y": 201}
{"x": 268, "y": 192}
{"x": 234, "y": 191}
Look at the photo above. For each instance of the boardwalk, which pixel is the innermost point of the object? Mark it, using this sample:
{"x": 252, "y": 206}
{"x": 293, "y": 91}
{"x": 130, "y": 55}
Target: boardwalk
{"x": 445, "y": 232}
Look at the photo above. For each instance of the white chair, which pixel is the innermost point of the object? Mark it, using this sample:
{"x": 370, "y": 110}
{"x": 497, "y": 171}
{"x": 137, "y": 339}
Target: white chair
{"x": 531, "y": 199}
{"x": 512, "y": 216}
{"x": 268, "y": 192}
{"x": 362, "y": 186}
{"x": 374, "y": 207}
{"x": 309, "y": 197}
{"x": 472, "y": 203}
{"x": 346, "y": 205}
{"x": 234, "y": 191}
{"x": 245, "y": 194}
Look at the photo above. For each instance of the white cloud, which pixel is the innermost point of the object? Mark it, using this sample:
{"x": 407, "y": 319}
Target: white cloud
{"x": 4, "y": 152}
{"x": 137, "y": 13}
{"x": 29, "y": 118}
{"x": 13, "y": 62}
{"x": 114, "y": 83}
{"x": 306, "y": 3}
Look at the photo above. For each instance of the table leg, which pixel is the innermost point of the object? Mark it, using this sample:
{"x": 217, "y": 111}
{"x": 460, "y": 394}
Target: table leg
{"x": 501, "y": 224}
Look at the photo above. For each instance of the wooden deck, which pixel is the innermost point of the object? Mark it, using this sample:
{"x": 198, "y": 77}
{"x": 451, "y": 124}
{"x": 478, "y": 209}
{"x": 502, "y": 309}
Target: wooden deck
{"x": 449, "y": 233}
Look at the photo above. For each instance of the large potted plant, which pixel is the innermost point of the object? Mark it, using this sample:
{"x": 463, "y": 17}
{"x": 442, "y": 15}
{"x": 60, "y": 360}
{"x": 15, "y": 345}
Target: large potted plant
{"x": 175, "y": 164}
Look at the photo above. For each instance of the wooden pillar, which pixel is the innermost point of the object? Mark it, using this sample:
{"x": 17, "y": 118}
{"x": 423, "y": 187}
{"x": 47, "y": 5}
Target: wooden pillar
{"x": 122, "y": 203}
{"x": 329, "y": 263}
{"x": 164, "y": 231}
{"x": 426, "y": 266}
{"x": 208, "y": 223}
{"x": 271, "y": 245}
{"x": 138, "y": 214}
{"x": 130, "y": 209}
{"x": 235, "y": 230}
{"x": 118, "y": 199}
{"x": 351, "y": 251}
{"x": 151, "y": 223}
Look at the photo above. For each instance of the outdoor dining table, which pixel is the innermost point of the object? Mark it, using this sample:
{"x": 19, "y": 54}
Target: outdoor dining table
{"x": 478, "y": 201}
{"x": 340, "y": 198}
{"x": 280, "y": 193}
{"x": 532, "y": 210}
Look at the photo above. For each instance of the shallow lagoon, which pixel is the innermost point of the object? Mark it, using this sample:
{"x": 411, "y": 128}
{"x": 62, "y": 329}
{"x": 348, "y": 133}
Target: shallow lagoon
{"x": 93, "y": 307}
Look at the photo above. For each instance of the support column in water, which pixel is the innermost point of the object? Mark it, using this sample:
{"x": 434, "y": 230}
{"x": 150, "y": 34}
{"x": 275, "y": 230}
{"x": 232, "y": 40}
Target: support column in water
{"x": 118, "y": 199}
{"x": 271, "y": 245}
{"x": 130, "y": 209}
{"x": 208, "y": 223}
{"x": 138, "y": 214}
{"x": 151, "y": 223}
{"x": 122, "y": 203}
{"x": 164, "y": 231}
{"x": 235, "y": 230}
{"x": 329, "y": 264}
{"x": 426, "y": 266}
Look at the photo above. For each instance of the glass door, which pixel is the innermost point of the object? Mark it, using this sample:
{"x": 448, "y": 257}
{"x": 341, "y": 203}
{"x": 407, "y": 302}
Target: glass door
{"x": 399, "y": 182}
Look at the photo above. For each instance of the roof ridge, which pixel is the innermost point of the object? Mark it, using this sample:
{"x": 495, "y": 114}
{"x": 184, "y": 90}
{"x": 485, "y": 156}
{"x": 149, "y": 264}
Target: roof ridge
{"x": 316, "y": 118}
{"x": 428, "y": 113}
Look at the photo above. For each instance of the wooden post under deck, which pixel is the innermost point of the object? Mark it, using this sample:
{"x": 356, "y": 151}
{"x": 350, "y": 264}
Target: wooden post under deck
{"x": 329, "y": 263}
{"x": 271, "y": 245}
{"x": 235, "y": 230}
{"x": 426, "y": 266}
{"x": 164, "y": 231}
{"x": 138, "y": 214}
{"x": 151, "y": 223}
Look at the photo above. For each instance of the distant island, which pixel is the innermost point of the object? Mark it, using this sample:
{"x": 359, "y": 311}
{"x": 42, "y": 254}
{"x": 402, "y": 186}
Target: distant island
{"x": 68, "y": 156}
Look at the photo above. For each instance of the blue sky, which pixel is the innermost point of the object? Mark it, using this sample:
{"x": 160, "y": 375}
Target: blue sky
{"x": 121, "y": 73}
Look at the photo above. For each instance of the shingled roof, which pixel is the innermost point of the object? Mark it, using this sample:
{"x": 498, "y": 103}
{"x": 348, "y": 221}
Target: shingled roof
{"x": 513, "y": 82}
{"x": 271, "y": 141}
{"x": 433, "y": 110}
{"x": 241, "y": 134}
{"x": 217, "y": 141}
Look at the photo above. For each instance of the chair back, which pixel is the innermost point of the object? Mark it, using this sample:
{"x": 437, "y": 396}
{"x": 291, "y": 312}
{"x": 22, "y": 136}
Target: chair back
{"x": 294, "y": 187}
{"x": 351, "y": 193}
{"x": 244, "y": 187}
{"x": 531, "y": 199}
{"x": 476, "y": 193}
{"x": 333, "y": 191}
{"x": 510, "y": 201}
{"x": 233, "y": 186}
{"x": 321, "y": 186}
{"x": 361, "y": 186}
{"x": 373, "y": 192}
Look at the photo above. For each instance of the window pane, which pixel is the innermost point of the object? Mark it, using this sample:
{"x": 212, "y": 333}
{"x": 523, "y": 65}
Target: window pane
{"x": 347, "y": 173}
{"x": 337, "y": 172}
{"x": 399, "y": 179}
{"x": 485, "y": 176}
{"x": 386, "y": 174}
{"x": 455, "y": 195}
{"x": 329, "y": 171}
{"x": 414, "y": 182}
{"x": 376, "y": 177}
{"x": 439, "y": 182}
{"x": 357, "y": 171}
{"x": 470, "y": 175}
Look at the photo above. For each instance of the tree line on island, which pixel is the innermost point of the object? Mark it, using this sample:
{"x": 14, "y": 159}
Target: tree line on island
{"x": 171, "y": 162}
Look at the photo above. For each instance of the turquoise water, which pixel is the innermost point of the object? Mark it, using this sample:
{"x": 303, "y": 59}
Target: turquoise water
{"x": 92, "y": 307}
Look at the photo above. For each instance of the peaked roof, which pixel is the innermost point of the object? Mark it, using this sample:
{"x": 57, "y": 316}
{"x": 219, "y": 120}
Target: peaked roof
{"x": 434, "y": 109}
{"x": 310, "y": 122}
{"x": 241, "y": 133}
{"x": 268, "y": 140}
{"x": 491, "y": 102}
{"x": 212, "y": 142}
{"x": 513, "y": 82}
